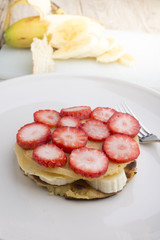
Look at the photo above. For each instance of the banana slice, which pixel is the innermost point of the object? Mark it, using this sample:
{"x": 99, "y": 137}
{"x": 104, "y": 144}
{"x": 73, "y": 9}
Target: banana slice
{"x": 69, "y": 30}
{"x": 42, "y": 56}
{"x": 110, "y": 184}
{"x": 127, "y": 60}
{"x": 65, "y": 28}
{"x": 56, "y": 180}
{"x": 112, "y": 55}
{"x": 86, "y": 48}
{"x": 112, "y": 43}
{"x": 99, "y": 48}
{"x": 76, "y": 49}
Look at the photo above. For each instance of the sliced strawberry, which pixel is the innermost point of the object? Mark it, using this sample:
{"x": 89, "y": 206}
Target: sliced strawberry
{"x": 88, "y": 162}
{"x": 48, "y": 117}
{"x": 96, "y": 130}
{"x": 121, "y": 148}
{"x": 69, "y": 138}
{"x": 124, "y": 123}
{"x": 49, "y": 155}
{"x": 102, "y": 114}
{"x": 69, "y": 121}
{"x": 81, "y": 112}
{"x": 32, "y": 135}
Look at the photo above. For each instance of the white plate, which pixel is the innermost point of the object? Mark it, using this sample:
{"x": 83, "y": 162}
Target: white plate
{"x": 29, "y": 212}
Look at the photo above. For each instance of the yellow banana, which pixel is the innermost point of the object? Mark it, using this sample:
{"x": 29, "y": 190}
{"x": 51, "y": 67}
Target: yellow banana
{"x": 21, "y": 33}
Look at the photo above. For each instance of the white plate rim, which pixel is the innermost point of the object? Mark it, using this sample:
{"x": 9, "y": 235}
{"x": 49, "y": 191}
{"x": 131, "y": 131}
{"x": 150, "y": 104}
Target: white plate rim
{"x": 30, "y": 77}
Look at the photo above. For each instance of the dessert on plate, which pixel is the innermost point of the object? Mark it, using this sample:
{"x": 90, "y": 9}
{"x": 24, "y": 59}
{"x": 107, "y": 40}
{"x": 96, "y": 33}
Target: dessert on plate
{"x": 79, "y": 153}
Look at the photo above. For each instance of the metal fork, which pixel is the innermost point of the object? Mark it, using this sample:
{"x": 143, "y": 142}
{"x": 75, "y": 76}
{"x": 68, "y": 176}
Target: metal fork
{"x": 144, "y": 135}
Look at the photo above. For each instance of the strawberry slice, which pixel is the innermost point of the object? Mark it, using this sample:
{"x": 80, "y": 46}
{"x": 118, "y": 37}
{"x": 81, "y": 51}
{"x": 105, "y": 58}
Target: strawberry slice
{"x": 49, "y": 155}
{"x": 121, "y": 148}
{"x": 48, "y": 117}
{"x": 88, "y": 162}
{"x": 32, "y": 135}
{"x": 82, "y": 112}
{"x": 69, "y": 121}
{"x": 102, "y": 114}
{"x": 96, "y": 130}
{"x": 124, "y": 123}
{"x": 69, "y": 138}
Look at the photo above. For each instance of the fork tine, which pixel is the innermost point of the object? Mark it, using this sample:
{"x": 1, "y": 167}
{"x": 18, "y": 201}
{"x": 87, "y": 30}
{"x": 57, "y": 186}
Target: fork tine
{"x": 143, "y": 130}
{"x": 121, "y": 108}
{"x": 144, "y": 135}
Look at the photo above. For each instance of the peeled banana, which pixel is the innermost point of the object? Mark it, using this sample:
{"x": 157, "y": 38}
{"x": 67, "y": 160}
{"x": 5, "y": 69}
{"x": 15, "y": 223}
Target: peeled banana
{"x": 57, "y": 180}
{"x": 69, "y": 36}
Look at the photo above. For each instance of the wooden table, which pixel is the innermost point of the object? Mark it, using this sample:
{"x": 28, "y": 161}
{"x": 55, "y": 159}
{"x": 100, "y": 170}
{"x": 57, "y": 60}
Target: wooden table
{"x": 137, "y": 15}
{"x": 130, "y": 15}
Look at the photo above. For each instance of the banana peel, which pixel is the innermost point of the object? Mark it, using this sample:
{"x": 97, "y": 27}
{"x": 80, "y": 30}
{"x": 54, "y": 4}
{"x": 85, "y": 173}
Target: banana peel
{"x": 21, "y": 33}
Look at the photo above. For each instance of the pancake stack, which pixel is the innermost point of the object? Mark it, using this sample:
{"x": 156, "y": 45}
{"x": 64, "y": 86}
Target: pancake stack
{"x": 79, "y": 153}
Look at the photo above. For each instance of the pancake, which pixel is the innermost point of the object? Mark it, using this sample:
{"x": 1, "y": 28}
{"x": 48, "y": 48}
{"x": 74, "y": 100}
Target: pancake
{"x": 79, "y": 188}
{"x": 66, "y": 179}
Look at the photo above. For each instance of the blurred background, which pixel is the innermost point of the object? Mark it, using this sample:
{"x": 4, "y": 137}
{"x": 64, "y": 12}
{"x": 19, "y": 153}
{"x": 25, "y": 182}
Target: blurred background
{"x": 134, "y": 23}
{"x": 127, "y": 15}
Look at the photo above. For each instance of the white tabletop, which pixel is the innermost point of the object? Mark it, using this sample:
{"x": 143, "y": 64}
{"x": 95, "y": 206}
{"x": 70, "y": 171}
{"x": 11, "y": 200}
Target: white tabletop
{"x": 144, "y": 47}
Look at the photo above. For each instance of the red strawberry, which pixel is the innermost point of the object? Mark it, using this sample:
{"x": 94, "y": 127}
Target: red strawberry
{"x": 88, "y": 162}
{"x": 69, "y": 138}
{"x": 124, "y": 123}
{"x": 102, "y": 114}
{"x": 32, "y": 135}
{"x": 69, "y": 121}
{"x": 48, "y": 117}
{"x": 49, "y": 155}
{"x": 121, "y": 148}
{"x": 81, "y": 112}
{"x": 96, "y": 130}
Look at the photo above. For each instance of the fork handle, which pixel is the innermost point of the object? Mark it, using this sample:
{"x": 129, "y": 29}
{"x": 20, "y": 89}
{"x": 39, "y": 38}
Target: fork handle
{"x": 146, "y": 141}
{"x": 149, "y": 139}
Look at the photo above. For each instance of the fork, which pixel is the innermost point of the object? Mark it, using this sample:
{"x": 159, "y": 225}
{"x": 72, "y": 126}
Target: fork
{"x": 144, "y": 135}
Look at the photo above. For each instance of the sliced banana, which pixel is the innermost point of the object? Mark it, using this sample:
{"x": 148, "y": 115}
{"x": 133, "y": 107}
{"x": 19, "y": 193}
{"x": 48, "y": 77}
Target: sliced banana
{"x": 112, "y": 43}
{"x": 56, "y": 180}
{"x": 42, "y": 56}
{"x": 64, "y": 28}
{"x": 127, "y": 60}
{"x": 100, "y": 46}
{"x": 112, "y": 55}
{"x": 76, "y": 49}
{"x": 69, "y": 30}
{"x": 110, "y": 184}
